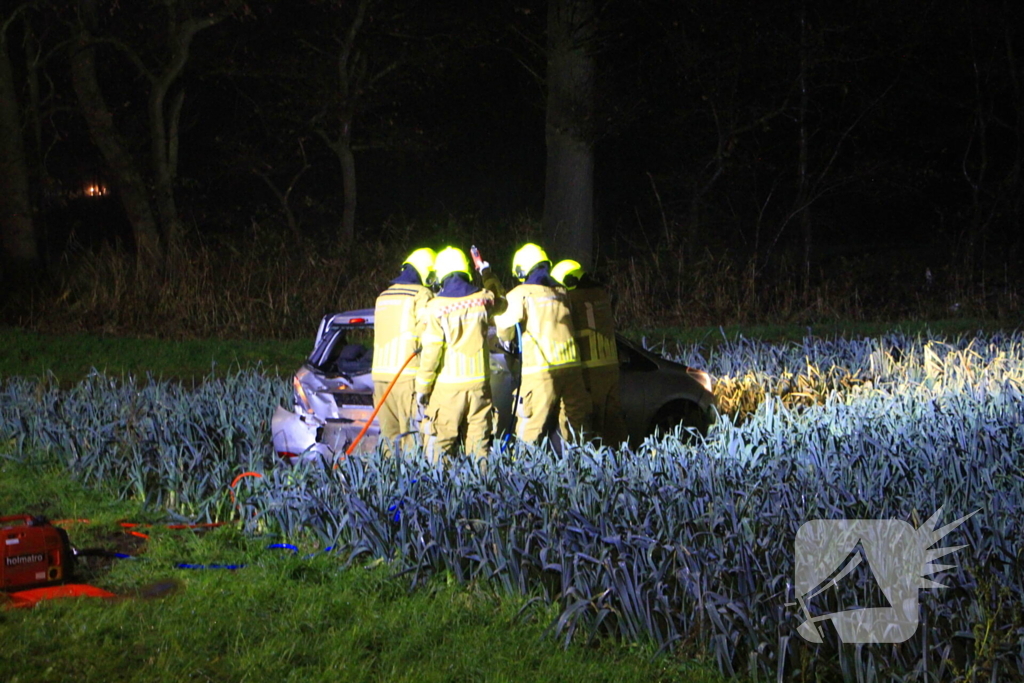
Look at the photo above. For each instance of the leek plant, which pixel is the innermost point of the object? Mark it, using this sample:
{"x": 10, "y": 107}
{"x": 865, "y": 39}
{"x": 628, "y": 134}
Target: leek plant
{"x": 685, "y": 542}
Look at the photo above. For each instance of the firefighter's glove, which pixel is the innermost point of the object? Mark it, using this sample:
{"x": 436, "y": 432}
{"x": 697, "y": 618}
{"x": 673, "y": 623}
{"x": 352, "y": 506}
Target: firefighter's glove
{"x": 422, "y": 398}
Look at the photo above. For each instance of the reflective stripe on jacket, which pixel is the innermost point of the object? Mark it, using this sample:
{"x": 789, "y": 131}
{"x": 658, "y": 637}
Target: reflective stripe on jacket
{"x": 547, "y": 342}
{"x": 455, "y": 342}
{"x": 595, "y": 326}
{"x": 399, "y": 317}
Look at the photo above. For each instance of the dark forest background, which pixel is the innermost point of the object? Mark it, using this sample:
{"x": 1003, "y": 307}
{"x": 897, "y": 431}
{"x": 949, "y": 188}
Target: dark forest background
{"x": 229, "y": 167}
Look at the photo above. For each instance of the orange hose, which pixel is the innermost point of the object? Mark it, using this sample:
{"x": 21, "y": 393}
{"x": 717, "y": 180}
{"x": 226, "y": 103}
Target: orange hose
{"x": 355, "y": 442}
{"x": 231, "y": 489}
{"x": 128, "y": 526}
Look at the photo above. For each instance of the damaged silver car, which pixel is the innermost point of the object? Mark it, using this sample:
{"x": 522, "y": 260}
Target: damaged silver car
{"x": 333, "y": 392}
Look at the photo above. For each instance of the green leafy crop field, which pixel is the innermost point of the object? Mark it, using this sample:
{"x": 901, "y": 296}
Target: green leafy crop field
{"x": 682, "y": 545}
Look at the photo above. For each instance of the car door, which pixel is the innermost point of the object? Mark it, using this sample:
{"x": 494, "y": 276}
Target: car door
{"x": 634, "y": 381}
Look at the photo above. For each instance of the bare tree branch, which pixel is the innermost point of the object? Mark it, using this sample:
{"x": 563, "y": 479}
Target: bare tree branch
{"x": 14, "y": 15}
{"x": 128, "y": 52}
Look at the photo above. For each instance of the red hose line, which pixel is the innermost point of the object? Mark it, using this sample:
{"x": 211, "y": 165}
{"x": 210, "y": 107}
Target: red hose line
{"x": 387, "y": 391}
{"x": 231, "y": 488}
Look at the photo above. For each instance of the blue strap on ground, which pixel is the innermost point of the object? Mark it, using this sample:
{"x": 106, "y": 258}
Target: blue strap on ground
{"x": 283, "y": 546}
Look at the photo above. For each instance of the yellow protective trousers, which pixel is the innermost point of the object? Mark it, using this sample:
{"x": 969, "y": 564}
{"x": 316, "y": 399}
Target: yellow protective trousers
{"x": 458, "y": 414}
{"x": 553, "y": 399}
{"x": 397, "y": 414}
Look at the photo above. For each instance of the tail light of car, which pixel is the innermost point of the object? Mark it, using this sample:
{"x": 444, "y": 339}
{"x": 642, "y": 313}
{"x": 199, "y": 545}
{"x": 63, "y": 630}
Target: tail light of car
{"x": 702, "y": 377}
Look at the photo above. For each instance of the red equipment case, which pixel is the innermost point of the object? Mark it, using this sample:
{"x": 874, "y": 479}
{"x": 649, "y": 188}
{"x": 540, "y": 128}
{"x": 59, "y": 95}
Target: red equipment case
{"x": 33, "y": 553}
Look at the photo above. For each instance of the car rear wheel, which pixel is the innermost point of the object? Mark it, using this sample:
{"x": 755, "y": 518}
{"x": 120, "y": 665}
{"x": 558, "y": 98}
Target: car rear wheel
{"x": 685, "y": 413}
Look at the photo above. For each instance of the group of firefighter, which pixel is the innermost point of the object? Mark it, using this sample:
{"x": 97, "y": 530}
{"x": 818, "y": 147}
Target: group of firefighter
{"x": 431, "y": 356}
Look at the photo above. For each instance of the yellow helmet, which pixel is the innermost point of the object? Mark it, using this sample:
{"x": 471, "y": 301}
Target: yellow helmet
{"x": 567, "y": 273}
{"x": 423, "y": 261}
{"x": 526, "y": 259}
{"x": 451, "y": 260}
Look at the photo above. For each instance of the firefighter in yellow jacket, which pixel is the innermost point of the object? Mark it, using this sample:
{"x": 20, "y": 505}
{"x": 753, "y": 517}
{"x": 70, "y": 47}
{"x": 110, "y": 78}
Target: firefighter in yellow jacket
{"x": 399, "y": 318}
{"x": 453, "y": 381}
{"x": 551, "y": 391}
{"x": 594, "y": 325}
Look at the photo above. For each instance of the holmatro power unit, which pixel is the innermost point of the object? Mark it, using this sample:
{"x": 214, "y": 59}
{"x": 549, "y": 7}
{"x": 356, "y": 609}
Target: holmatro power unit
{"x": 33, "y": 553}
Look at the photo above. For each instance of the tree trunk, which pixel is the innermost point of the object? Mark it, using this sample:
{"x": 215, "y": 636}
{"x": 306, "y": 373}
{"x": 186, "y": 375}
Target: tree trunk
{"x": 128, "y": 182}
{"x": 163, "y": 143}
{"x": 348, "y": 180}
{"x": 981, "y": 208}
{"x": 1014, "y": 178}
{"x": 569, "y": 181}
{"x": 20, "y": 251}
{"x": 39, "y": 179}
{"x": 163, "y": 120}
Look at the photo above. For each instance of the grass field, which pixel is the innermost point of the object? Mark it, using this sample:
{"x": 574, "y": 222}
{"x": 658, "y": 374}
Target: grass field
{"x": 281, "y": 617}
{"x": 71, "y": 357}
